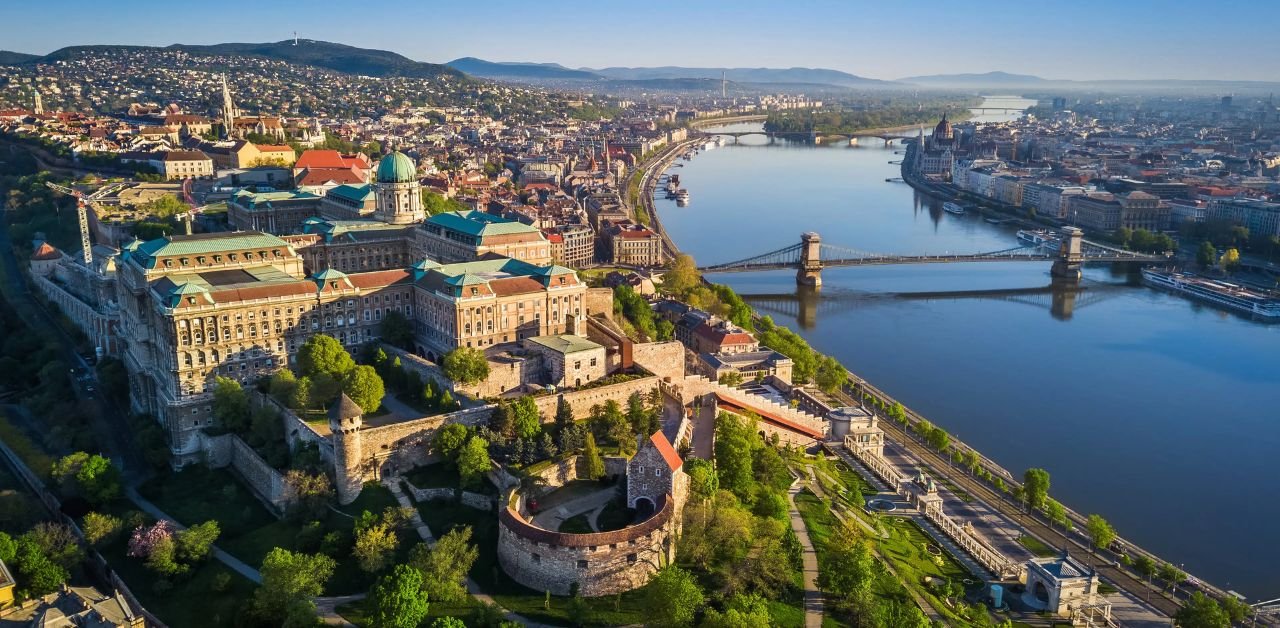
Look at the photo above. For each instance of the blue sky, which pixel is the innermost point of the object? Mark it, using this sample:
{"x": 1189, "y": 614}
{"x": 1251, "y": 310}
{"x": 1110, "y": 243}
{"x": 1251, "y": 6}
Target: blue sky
{"x": 1079, "y": 39}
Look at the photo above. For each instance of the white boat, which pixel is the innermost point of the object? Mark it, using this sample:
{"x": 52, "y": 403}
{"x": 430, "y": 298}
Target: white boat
{"x": 1227, "y": 295}
{"x": 952, "y": 208}
{"x": 682, "y": 195}
{"x": 1040, "y": 237}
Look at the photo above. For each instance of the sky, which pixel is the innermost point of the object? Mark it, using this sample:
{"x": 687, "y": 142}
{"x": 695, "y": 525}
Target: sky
{"x": 885, "y": 39}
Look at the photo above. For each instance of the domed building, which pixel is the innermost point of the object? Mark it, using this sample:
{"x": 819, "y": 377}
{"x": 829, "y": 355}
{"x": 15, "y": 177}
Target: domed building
{"x": 943, "y": 132}
{"x": 397, "y": 191}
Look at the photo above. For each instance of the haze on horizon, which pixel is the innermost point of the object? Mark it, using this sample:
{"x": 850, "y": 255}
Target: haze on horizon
{"x": 1080, "y": 40}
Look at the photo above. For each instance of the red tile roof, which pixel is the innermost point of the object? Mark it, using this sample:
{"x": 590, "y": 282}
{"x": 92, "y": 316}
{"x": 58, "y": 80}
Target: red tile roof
{"x": 45, "y": 253}
{"x": 320, "y": 176}
{"x": 515, "y": 285}
{"x": 378, "y": 278}
{"x": 668, "y": 452}
{"x": 322, "y": 159}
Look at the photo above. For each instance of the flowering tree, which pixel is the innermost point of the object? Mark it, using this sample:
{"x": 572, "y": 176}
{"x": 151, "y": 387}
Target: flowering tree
{"x": 145, "y": 539}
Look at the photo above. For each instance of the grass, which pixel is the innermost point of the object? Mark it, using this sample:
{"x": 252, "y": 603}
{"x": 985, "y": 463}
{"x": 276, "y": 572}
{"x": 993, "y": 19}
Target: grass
{"x": 577, "y": 524}
{"x": 1037, "y": 547}
{"x": 25, "y": 448}
{"x": 818, "y": 518}
{"x": 615, "y": 516}
{"x": 192, "y": 601}
{"x": 445, "y": 475}
{"x": 905, "y": 550}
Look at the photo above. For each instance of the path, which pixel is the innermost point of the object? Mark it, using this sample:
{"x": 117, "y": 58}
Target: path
{"x": 704, "y": 432}
{"x": 223, "y": 557}
{"x": 327, "y": 609}
{"x": 552, "y": 518}
{"x": 812, "y": 596}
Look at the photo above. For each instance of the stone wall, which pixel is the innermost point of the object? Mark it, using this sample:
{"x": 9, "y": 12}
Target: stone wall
{"x": 565, "y": 471}
{"x": 466, "y": 498}
{"x": 298, "y": 432}
{"x": 664, "y": 359}
{"x": 402, "y": 446}
{"x": 601, "y": 563}
{"x": 599, "y": 301}
{"x": 228, "y": 450}
{"x": 582, "y": 400}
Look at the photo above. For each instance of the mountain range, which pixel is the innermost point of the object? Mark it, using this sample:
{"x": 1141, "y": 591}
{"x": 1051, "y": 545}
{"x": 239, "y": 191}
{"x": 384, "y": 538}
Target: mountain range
{"x": 323, "y": 54}
{"x": 557, "y": 72}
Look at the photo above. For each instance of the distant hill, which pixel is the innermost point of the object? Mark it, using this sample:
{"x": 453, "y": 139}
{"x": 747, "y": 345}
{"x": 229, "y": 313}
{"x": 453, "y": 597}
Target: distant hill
{"x": 515, "y": 70}
{"x": 744, "y": 75}
{"x": 322, "y": 54}
{"x": 8, "y": 57}
{"x": 975, "y": 80}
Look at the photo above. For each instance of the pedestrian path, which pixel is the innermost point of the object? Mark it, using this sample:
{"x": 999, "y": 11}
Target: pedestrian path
{"x": 327, "y": 609}
{"x": 227, "y": 559}
{"x": 813, "y": 602}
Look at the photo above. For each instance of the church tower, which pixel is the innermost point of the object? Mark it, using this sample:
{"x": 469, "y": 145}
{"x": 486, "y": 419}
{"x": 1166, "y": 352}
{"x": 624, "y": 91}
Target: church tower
{"x": 228, "y": 110}
{"x": 39, "y": 103}
{"x": 398, "y": 193}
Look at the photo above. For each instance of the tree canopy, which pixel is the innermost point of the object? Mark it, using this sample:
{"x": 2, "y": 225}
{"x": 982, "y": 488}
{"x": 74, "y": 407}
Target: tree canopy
{"x": 399, "y": 600}
{"x": 466, "y": 365}
{"x": 673, "y": 598}
{"x": 322, "y": 353}
{"x": 364, "y": 386}
{"x": 290, "y": 577}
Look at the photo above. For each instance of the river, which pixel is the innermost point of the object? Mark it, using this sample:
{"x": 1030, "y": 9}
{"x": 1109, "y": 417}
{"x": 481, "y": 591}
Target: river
{"x": 1154, "y": 411}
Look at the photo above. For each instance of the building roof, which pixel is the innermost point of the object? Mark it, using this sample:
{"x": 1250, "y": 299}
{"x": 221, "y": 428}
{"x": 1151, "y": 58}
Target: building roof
{"x": 45, "y": 253}
{"x": 357, "y": 193}
{"x": 396, "y": 167}
{"x": 479, "y": 224}
{"x": 565, "y": 343}
{"x": 331, "y": 159}
{"x": 345, "y": 408}
{"x": 185, "y": 155}
{"x": 208, "y": 243}
{"x": 322, "y": 176}
{"x": 668, "y": 452}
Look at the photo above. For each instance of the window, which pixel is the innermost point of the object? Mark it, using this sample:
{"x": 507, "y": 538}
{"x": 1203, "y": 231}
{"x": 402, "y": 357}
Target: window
{"x": 582, "y": 564}
{"x": 631, "y": 558}
{"x": 536, "y": 558}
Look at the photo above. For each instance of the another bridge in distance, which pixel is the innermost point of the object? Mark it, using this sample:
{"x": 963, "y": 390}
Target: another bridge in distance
{"x": 814, "y": 136}
{"x": 811, "y": 255}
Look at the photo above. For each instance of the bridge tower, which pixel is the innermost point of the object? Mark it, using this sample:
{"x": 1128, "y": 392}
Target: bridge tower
{"x": 1070, "y": 255}
{"x": 810, "y": 272}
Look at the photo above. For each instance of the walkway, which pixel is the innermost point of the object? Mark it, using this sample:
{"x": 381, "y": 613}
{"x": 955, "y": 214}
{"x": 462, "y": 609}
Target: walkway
{"x": 704, "y": 432}
{"x": 327, "y": 609}
{"x": 552, "y": 518}
{"x": 812, "y": 595}
{"x": 223, "y": 557}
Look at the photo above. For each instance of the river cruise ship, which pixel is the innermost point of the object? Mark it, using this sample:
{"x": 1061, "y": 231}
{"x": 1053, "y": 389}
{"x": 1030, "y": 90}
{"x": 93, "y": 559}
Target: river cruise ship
{"x": 1040, "y": 237}
{"x": 952, "y": 208}
{"x": 1223, "y": 294}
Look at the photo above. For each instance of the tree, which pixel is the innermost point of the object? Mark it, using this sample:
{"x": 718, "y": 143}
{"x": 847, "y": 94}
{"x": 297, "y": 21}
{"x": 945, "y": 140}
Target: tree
{"x": 312, "y": 492}
{"x": 525, "y": 420}
{"x": 364, "y": 386}
{"x": 98, "y": 528}
{"x": 1035, "y": 484}
{"x": 564, "y": 414}
{"x": 290, "y": 577}
{"x": 1237, "y": 611}
{"x": 592, "y": 464}
{"x": 399, "y": 600}
{"x": 473, "y": 461}
{"x": 375, "y": 546}
{"x": 466, "y": 366}
{"x": 672, "y": 598}
{"x": 1206, "y": 255}
{"x": 682, "y": 276}
{"x": 1145, "y": 566}
{"x": 451, "y": 622}
{"x": 322, "y": 353}
{"x": 39, "y": 574}
{"x": 1100, "y": 532}
{"x": 847, "y": 569}
{"x": 1171, "y": 575}
{"x": 742, "y": 611}
{"x": 89, "y": 475}
{"x": 1056, "y": 512}
{"x": 300, "y": 398}
{"x": 396, "y": 330}
{"x": 831, "y": 375}
{"x": 1230, "y": 260}
{"x": 282, "y": 385}
{"x": 445, "y": 565}
{"x": 1201, "y": 611}
{"x": 703, "y": 482}
{"x": 195, "y": 542}
{"x": 230, "y": 404}
{"x": 447, "y": 443}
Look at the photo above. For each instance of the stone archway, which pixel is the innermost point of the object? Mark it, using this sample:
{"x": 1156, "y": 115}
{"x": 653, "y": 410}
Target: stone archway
{"x": 644, "y": 508}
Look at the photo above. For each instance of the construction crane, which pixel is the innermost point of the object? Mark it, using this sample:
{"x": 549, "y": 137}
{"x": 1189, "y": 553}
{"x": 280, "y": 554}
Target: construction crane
{"x": 82, "y": 214}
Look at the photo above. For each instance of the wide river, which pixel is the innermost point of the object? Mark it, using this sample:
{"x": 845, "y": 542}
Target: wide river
{"x": 1161, "y": 414}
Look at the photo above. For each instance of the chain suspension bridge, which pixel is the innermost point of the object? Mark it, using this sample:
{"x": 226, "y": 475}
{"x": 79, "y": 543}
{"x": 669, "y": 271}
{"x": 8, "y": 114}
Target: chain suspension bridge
{"x": 811, "y": 256}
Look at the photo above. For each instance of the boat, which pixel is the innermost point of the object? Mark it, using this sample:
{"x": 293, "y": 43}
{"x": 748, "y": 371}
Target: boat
{"x": 1040, "y": 237}
{"x": 1229, "y": 296}
{"x": 682, "y": 195}
{"x": 952, "y": 208}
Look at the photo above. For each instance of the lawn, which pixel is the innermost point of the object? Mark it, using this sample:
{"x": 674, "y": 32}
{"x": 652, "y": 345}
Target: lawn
{"x": 445, "y": 475}
{"x": 615, "y": 516}
{"x": 905, "y": 550}
{"x": 193, "y": 601}
{"x": 818, "y": 518}
{"x": 24, "y": 447}
{"x": 1037, "y": 547}
{"x": 628, "y": 608}
{"x": 577, "y": 524}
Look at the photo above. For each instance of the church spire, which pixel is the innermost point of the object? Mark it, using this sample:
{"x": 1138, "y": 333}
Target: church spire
{"x": 228, "y": 109}
{"x": 39, "y": 104}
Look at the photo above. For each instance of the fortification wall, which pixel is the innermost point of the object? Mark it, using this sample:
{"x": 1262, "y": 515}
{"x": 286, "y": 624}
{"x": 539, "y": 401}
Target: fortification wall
{"x": 402, "y": 446}
{"x": 228, "y": 450}
{"x": 664, "y": 359}
{"x": 580, "y": 401}
{"x": 602, "y": 563}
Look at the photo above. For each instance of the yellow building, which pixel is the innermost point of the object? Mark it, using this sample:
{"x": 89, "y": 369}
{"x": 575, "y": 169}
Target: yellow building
{"x": 6, "y": 587}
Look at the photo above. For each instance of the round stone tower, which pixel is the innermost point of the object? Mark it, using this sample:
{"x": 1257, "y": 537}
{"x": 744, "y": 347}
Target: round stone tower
{"x": 397, "y": 191}
{"x": 345, "y": 422}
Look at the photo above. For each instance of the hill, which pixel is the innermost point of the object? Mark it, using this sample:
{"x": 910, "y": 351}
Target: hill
{"x": 322, "y": 54}
{"x": 985, "y": 79}
{"x": 518, "y": 70}
{"x": 8, "y": 57}
{"x": 744, "y": 75}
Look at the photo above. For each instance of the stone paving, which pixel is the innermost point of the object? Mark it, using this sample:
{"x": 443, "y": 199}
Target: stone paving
{"x": 552, "y": 518}
{"x": 812, "y": 596}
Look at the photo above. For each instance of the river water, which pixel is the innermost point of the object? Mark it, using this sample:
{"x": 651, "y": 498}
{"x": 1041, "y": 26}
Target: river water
{"x": 1161, "y": 414}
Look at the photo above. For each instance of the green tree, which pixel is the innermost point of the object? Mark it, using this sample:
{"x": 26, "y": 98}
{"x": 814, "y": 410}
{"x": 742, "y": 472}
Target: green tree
{"x": 637, "y": 414}
{"x": 525, "y": 419}
{"x": 452, "y": 622}
{"x": 1035, "y": 484}
{"x": 592, "y": 464}
{"x": 734, "y": 445}
{"x": 98, "y": 528}
{"x": 38, "y": 573}
{"x": 1201, "y": 611}
{"x": 1230, "y": 260}
{"x": 397, "y": 330}
{"x": 288, "y": 578}
{"x": 445, "y": 565}
{"x": 1145, "y": 566}
{"x": 448, "y": 441}
{"x": 300, "y": 399}
{"x": 473, "y": 461}
{"x": 703, "y": 482}
{"x": 364, "y": 386}
{"x": 672, "y": 598}
{"x": 682, "y": 276}
{"x": 742, "y": 611}
{"x": 847, "y": 569}
{"x": 831, "y": 375}
{"x": 399, "y": 600}
{"x": 312, "y": 493}
{"x": 1100, "y": 532}
{"x": 89, "y": 475}
{"x": 466, "y": 366}
{"x": 230, "y": 404}
{"x": 282, "y": 385}
{"x": 375, "y": 546}
{"x": 1056, "y": 512}
{"x": 195, "y": 543}
{"x": 1206, "y": 255}
{"x": 1237, "y": 611}
{"x": 322, "y": 353}
{"x": 1171, "y": 575}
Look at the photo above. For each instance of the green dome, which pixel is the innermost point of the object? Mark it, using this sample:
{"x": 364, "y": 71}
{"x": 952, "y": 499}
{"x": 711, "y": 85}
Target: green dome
{"x": 396, "y": 167}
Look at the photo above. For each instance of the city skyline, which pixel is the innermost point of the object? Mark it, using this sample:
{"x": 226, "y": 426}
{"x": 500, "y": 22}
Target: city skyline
{"x": 945, "y": 37}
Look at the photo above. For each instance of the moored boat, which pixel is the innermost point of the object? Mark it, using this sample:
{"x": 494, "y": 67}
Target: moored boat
{"x": 952, "y": 208}
{"x": 1242, "y": 299}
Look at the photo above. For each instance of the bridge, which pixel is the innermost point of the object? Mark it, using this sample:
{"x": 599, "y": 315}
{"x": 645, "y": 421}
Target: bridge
{"x": 811, "y": 255}
{"x": 815, "y": 136}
